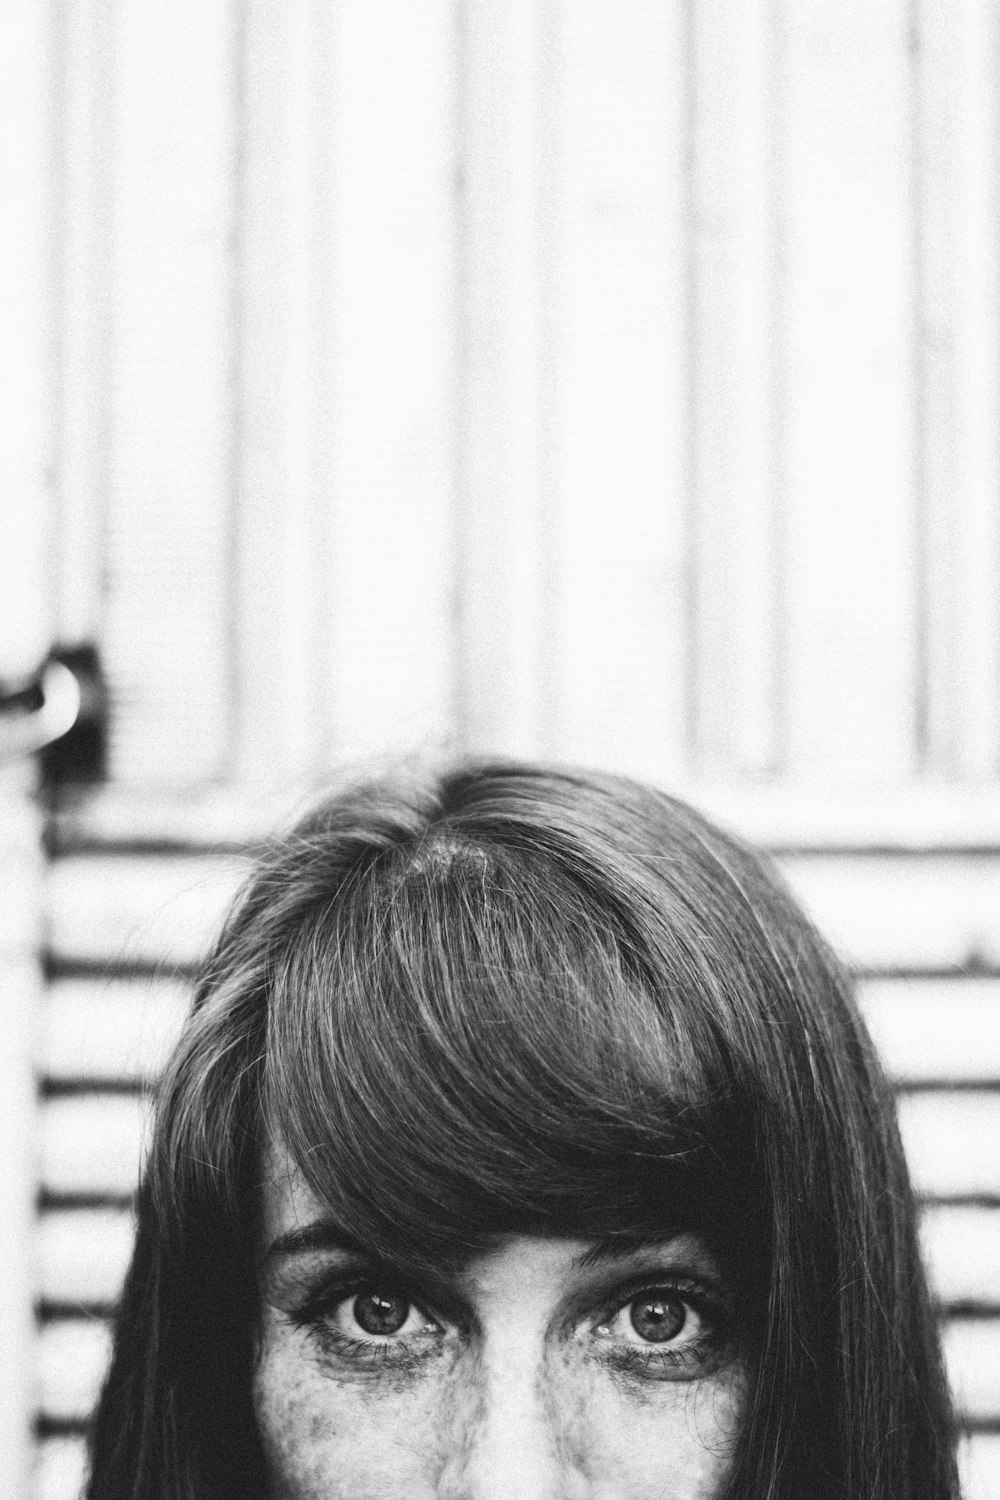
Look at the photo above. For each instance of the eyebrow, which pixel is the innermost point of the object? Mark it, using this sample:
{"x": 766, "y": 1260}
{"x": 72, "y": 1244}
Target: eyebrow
{"x": 325, "y": 1234}
{"x": 320, "y": 1234}
{"x": 613, "y": 1247}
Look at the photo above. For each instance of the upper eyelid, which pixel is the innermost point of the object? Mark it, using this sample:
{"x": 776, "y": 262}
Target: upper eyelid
{"x": 332, "y": 1292}
{"x": 698, "y": 1305}
{"x": 694, "y": 1289}
{"x": 689, "y": 1287}
{"x": 313, "y": 1270}
{"x": 440, "y": 1301}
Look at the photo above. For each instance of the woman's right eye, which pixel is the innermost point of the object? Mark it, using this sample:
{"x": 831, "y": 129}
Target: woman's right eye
{"x": 369, "y": 1324}
{"x": 379, "y": 1314}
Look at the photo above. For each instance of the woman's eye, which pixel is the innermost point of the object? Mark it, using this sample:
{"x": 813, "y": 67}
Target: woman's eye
{"x": 368, "y": 1325}
{"x": 379, "y": 1313}
{"x": 376, "y": 1314}
{"x": 657, "y": 1317}
{"x": 666, "y": 1333}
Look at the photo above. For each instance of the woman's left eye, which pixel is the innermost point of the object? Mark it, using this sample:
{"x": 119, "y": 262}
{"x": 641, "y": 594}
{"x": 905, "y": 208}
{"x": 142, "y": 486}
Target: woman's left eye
{"x": 664, "y": 1332}
{"x": 658, "y": 1317}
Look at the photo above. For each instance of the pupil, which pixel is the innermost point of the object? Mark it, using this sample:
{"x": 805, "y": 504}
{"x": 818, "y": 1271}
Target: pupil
{"x": 380, "y": 1315}
{"x": 658, "y": 1318}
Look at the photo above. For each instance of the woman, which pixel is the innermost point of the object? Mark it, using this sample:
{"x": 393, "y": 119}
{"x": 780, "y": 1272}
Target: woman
{"x": 524, "y": 1141}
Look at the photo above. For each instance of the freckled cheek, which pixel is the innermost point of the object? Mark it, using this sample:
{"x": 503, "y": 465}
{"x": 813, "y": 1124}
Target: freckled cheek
{"x": 674, "y": 1441}
{"x": 298, "y": 1441}
{"x": 331, "y": 1439}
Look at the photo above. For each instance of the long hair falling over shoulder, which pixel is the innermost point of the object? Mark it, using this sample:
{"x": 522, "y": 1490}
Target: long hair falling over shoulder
{"x": 509, "y": 997}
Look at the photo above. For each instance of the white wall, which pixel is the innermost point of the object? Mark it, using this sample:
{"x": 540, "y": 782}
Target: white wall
{"x": 612, "y": 381}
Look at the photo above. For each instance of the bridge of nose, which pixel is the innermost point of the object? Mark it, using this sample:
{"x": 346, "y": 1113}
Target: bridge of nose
{"x": 517, "y": 1422}
{"x": 517, "y": 1415}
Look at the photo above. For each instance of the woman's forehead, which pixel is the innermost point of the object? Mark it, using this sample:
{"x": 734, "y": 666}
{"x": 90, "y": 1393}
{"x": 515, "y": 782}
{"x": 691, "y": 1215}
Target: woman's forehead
{"x": 286, "y": 1199}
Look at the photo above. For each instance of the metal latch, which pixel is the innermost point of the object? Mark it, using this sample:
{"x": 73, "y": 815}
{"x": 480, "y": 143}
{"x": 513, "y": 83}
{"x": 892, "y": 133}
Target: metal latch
{"x": 38, "y": 709}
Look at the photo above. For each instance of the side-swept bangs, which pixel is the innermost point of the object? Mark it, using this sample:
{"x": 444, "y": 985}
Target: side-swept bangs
{"x": 470, "y": 1038}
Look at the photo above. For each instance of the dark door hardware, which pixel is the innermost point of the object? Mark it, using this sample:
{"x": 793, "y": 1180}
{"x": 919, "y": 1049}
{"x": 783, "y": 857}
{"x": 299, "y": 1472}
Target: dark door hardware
{"x": 37, "y": 710}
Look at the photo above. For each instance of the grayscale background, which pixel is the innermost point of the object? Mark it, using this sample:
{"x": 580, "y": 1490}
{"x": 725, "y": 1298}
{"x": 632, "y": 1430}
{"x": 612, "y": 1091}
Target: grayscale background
{"x": 605, "y": 380}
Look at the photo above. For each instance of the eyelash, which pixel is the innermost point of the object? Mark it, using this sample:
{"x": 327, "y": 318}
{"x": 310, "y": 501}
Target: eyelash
{"x": 691, "y": 1359}
{"x": 315, "y": 1316}
{"x": 644, "y": 1362}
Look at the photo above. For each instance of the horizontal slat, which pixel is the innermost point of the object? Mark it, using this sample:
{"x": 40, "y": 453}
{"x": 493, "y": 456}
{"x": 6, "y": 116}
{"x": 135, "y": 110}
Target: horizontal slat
{"x": 73, "y": 1355}
{"x": 119, "y": 909}
{"x": 92, "y": 1144}
{"x": 962, "y": 1251}
{"x": 891, "y": 911}
{"x": 945, "y": 1029}
{"x": 972, "y": 1359}
{"x": 922, "y": 816}
{"x": 979, "y": 1466}
{"x": 951, "y": 1142}
{"x": 83, "y": 1255}
{"x": 196, "y": 820}
{"x": 60, "y": 1469}
{"x": 110, "y": 1029}
{"x": 884, "y": 912}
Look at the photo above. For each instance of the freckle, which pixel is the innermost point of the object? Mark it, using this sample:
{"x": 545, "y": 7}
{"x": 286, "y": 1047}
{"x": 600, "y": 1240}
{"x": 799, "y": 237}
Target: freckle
{"x": 566, "y": 1397}
{"x": 319, "y": 1425}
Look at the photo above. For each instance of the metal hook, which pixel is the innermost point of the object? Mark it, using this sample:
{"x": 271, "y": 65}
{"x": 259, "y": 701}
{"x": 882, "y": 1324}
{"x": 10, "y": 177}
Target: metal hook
{"x": 38, "y": 711}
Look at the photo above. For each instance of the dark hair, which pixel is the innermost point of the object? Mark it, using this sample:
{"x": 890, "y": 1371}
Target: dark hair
{"x": 510, "y": 997}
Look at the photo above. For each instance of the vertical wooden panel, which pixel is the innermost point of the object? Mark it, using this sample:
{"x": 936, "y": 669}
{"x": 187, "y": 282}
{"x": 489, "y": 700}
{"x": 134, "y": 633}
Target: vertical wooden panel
{"x": 507, "y": 170}
{"x": 959, "y": 349}
{"x": 26, "y": 266}
{"x": 20, "y": 989}
{"x": 737, "y": 468}
{"x": 936, "y": 162}
{"x": 390, "y": 252}
{"x": 84, "y": 93}
{"x": 619, "y": 408}
{"x": 978, "y": 282}
{"x": 166, "y": 633}
{"x": 848, "y": 249}
{"x": 281, "y": 536}
{"x": 25, "y": 328}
